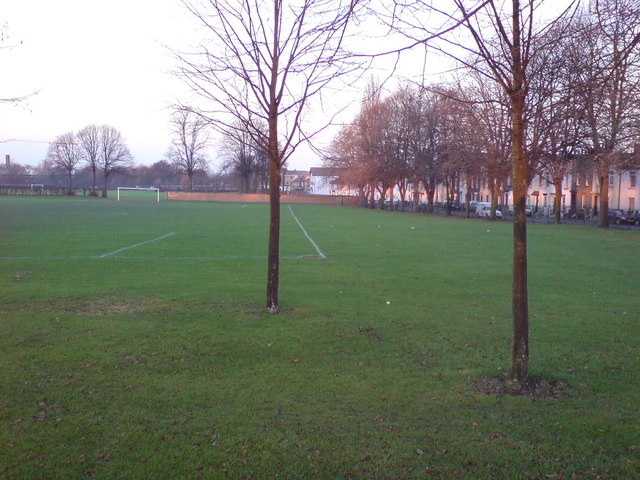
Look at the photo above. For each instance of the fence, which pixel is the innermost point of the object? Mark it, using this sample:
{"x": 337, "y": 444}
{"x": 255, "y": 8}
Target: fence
{"x": 43, "y": 190}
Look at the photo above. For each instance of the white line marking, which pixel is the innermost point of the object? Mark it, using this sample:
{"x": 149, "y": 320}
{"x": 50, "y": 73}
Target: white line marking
{"x": 315, "y": 245}
{"x": 136, "y": 245}
{"x": 140, "y": 257}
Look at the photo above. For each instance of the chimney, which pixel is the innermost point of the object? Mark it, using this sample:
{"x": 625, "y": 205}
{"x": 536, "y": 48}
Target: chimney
{"x": 7, "y": 159}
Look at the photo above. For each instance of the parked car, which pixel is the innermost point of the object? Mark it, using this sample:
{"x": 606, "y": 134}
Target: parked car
{"x": 619, "y": 217}
{"x": 455, "y": 205}
{"x": 483, "y": 209}
{"x": 635, "y": 219}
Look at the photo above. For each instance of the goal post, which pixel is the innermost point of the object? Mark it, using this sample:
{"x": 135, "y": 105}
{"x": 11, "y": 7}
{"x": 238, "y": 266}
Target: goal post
{"x": 144, "y": 189}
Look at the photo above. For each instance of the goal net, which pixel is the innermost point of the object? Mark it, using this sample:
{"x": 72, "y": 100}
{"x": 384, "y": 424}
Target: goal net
{"x": 127, "y": 193}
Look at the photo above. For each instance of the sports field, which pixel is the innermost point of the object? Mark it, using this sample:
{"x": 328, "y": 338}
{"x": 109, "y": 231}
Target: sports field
{"x": 135, "y": 344}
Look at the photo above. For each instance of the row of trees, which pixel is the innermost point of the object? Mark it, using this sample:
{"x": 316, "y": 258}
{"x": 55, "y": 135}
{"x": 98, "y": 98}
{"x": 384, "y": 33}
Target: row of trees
{"x": 159, "y": 174}
{"x": 581, "y": 116}
{"x": 101, "y": 147}
{"x": 103, "y": 150}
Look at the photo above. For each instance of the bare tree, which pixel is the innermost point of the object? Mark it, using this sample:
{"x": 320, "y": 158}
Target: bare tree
{"x": 609, "y": 76}
{"x": 244, "y": 158}
{"x": 428, "y": 142}
{"x": 344, "y": 152}
{"x": 489, "y": 123}
{"x": 556, "y": 127}
{"x": 89, "y": 146}
{"x": 501, "y": 45}
{"x": 114, "y": 154}
{"x": 187, "y": 152}
{"x": 63, "y": 154}
{"x": 267, "y": 61}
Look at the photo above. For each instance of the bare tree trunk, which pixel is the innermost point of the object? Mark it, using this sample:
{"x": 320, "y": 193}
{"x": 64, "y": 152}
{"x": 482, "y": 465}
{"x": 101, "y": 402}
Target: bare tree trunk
{"x": 362, "y": 196}
{"x": 403, "y": 196}
{"x": 448, "y": 196}
{"x": 557, "y": 201}
{"x": 383, "y": 195}
{"x": 495, "y": 195}
{"x": 467, "y": 197}
{"x": 104, "y": 188}
{"x": 416, "y": 197}
{"x": 430, "y": 194}
{"x": 520, "y": 306}
{"x": 273, "y": 262}
{"x": 603, "y": 216}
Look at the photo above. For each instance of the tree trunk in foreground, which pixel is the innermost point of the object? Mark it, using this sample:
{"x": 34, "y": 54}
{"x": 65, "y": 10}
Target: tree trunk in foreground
{"x": 104, "y": 187}
{"x": 520, "y": 306}
{"x": 603, "y": 216}
{"x": 273, "y": 262}
{"x": 557, "y": 201}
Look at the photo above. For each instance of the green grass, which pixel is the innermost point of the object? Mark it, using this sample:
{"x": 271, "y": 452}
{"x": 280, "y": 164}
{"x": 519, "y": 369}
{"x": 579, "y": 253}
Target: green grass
{"x": 158, "y": 361}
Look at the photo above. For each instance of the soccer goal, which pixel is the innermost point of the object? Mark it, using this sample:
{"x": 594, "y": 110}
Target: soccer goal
{"x": 144, "y": 189}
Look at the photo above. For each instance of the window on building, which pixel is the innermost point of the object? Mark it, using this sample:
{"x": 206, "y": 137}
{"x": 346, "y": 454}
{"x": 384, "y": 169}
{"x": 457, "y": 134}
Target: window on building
{"x": 632, "y": 179}
{"x": 632, "y": 204}
{"x": 611, "y": 181}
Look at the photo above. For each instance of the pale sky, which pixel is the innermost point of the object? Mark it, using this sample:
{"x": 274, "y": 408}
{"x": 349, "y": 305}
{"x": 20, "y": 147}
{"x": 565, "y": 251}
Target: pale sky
{"x": 97, "y": 61}
{"x": 90, "y": 61}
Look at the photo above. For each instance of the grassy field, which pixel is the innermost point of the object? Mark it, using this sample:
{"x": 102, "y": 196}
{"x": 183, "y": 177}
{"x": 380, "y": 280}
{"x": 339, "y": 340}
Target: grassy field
{"x": 134, "y": 345}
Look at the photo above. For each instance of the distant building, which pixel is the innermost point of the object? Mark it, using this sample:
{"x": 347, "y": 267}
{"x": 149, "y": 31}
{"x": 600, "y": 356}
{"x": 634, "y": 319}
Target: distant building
{"x": 325, "y": 181}
{"x": 295, "y": 181}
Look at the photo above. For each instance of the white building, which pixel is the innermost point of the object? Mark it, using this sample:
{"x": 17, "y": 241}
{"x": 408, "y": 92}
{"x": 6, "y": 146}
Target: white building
{"x": 324, "y": 181}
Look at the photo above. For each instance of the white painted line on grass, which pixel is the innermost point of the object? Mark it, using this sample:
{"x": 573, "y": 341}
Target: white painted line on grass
{"x": 136, "y": 245}
{"x": 315, "y": 245}
{"x": 142, "y": 257}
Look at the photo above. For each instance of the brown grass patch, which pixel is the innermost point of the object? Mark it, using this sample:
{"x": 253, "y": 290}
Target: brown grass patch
{"x": 534, "y": 388}
{"x": 108, "y": 306}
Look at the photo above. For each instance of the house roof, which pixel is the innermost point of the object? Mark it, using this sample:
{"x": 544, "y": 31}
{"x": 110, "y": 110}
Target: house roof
{"x": 326, "y": 171}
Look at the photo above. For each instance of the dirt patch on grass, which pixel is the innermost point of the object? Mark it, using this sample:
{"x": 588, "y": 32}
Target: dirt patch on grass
{"x": 534, "y": 388}
{"x": 107, "y": 306}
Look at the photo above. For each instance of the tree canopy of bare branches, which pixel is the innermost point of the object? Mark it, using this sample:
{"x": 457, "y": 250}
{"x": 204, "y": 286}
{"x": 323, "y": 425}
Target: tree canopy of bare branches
{"x": 187, "y": 152}
{"x": 245, "y": 158}
{"x": 63, "y": 154}
{"x": 89, "y": 149}
{"x": 607, "y": 69}
{"x": 114, "y": 154}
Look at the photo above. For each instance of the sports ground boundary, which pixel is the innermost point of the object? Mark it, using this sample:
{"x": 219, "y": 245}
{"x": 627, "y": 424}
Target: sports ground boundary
{"x": 344, "y": 200}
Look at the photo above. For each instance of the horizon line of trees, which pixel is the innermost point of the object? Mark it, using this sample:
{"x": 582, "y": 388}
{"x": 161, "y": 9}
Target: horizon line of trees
{"x": 581, "y": 116}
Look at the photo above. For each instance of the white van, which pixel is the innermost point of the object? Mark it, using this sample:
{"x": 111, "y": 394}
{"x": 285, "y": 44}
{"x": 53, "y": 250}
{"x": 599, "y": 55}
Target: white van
{"x": 483, "y": 209}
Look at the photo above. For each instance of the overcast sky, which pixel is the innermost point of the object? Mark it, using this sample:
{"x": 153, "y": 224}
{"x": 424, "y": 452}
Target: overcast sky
{"x": 90, "y": 61}
{"x": 96, "y": 61}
